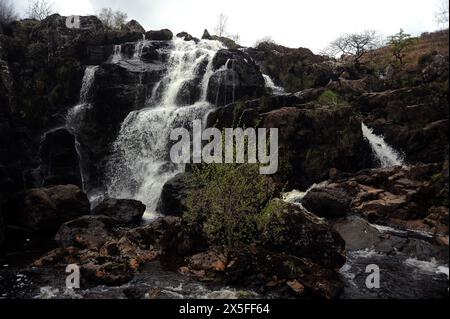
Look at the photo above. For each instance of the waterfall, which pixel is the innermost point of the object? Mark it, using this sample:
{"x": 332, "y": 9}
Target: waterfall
{"x": 140, "y": 164}
{"x": 117, "y": 54}
{"x": 277, "y": 90}
{"x": 75, "y": 116}
{"x": 385, "y": 154}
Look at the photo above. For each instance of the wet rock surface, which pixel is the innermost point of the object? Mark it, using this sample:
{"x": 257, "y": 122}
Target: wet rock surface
{"x": 46, "y": 209}
{"x": 124, "y": 211}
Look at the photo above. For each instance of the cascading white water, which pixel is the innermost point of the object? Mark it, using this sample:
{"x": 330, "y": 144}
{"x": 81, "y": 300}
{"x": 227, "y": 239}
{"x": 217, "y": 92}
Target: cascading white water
{"x": 385, "y": 154}
{"x": 295, "y": 197}
{"x": 117, "y": 54}
{"x": 277, "y": 90}
{"x": 76, "y": 114}
{"x": 140, "y": 164}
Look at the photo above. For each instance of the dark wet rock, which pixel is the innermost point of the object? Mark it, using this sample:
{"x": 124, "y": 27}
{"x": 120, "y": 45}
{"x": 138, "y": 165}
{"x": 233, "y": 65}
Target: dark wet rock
{"x": 87, "y": 232}
{"x": 206, "y": 35}
{"x": 296, "y": 69}
{"x": 437, "y": 70}
{"x": 161, "y": 35}
{"x": 299, "y": 233}
{"x": 2, "y": 229}
{"x": 256, "y": 267}
{"x": 59, "y": 159}
{"x": 133, "y": 26}
{"x": 312, "y": 140}
{"x": 412, "y": 119}
{"x": 109, "y": 273}
{"x": 413, "y": 197}
{"x": 187, "y": 37}
{"x": 229, "y": 43}
{"x": 173, "y": 196}
{"x": 126, "y": 211}
{"x": 170, "y": 235}
{"x": 327, "y": 202}
{"x": 118, "y": 91}
{"x": 46, "y": 209}
{"x": 236, "y": 77}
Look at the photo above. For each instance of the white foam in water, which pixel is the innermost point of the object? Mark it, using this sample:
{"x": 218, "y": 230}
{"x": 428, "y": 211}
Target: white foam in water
{"x": 384, "y": 153}
{"x": 140, "y": 164}
{"x": 277, "y": 90}
{"x": 427, "y": 266}
{"x": 117, "y": 55}
{"x": 295, "y": 197}
{"x": 75, "y": 116}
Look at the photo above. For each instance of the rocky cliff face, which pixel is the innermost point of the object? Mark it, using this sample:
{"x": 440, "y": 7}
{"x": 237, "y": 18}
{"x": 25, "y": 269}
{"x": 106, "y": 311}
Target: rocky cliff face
{"x": 68, "y": 96}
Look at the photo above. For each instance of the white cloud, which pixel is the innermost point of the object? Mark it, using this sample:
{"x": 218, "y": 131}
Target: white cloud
{"x": 293, "y": 23}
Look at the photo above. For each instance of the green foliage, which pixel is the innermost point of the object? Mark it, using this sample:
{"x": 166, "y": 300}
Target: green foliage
{"x": 328, "y": 97}
{"x": 436, "y": 177}
{"x": 229, "y": 205}
{"x": 271, "y": 219}
{"x": 400, "y": 43}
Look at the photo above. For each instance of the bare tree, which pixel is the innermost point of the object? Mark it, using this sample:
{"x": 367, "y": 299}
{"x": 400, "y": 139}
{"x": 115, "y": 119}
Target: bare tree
{"x": 120, "y": 18}
{"x": 39, "y": 9}
{"x": 222, "y": 25}
{"x": 355, "y": 45}
{"x": 441, "y": 14}
{"x": 235, "y": 37}
{"x": 7, "y": 12}
{"x": 112, "y": 19}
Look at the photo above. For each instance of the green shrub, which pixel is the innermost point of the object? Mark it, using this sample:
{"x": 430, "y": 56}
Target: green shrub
{"x": 230, "y": 204}
{"x": 328, "y": 97}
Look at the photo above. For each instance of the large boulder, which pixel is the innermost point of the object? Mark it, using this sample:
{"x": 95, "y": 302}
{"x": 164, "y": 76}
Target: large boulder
{"x": 292, "y": 230}
{"x": 161, "y": 35}
{"x": 327, "y": 202}
{"x": 86, "y": 232}
{"x": 125, "y": 211}
{"x": 46, "y": 209}
{"x": 206, "y": 35}
{"x": 187, "y": 37}
{"x": 236, "y": 77}
{"x": 133, "y": 26}
{"x": 173, "y": 196}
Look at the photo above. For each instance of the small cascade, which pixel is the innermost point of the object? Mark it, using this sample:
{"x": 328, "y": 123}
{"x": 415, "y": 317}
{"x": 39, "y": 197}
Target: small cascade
{"x": 226, "y": 79}
{"x": 139, "y": 48}
{"x": 384, "y": 154}
{"x": 76, "y": 115}
{"x": 295, "y": 197}
{"x": 117, "y": 54}
{"x": 277, "y": 90}
{"x": 140, "y": 163}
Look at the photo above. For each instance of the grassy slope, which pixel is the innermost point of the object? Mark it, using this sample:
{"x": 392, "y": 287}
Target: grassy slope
{"x": 425, "y": 44}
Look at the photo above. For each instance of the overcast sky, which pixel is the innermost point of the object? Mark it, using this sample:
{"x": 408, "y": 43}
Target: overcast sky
{"x": 294, "y": 23}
